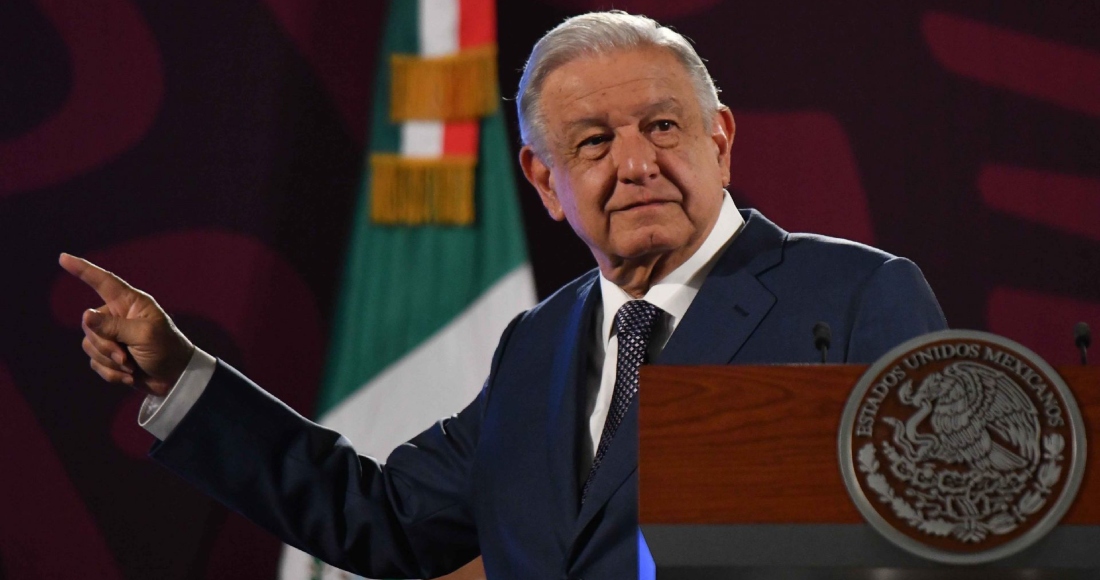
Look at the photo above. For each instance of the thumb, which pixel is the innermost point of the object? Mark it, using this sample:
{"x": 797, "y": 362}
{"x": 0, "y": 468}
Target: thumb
{"x": 110, "y": 327}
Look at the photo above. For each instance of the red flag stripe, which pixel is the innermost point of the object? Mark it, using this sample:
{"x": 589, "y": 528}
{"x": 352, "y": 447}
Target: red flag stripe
{"x": 477, "y": 23}
{"x": 476, "y": 27}
{"x": 461, "y": 137}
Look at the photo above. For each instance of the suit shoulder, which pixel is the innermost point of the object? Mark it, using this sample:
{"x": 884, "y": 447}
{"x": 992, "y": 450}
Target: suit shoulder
{"x": 836, "y": 263}
{"x": 832, "y": 252}
{"x": 563, "y": 299}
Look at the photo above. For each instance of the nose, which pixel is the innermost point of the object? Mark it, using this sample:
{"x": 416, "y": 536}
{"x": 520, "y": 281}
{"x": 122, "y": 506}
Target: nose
{"x": 635, "y": 158}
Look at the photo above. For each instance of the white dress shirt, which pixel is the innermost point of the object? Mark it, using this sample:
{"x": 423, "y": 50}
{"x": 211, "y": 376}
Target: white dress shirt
{"x": 160, "y": 415}
{"x": 673, "y": 295}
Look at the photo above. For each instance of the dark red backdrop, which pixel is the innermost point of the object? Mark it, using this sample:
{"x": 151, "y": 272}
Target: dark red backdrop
{"x": 210, "y": 151}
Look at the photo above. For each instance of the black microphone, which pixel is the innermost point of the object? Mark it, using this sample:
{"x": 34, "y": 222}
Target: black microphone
{"x": 1082, "y": 337}
{"x": 823, "y": 338}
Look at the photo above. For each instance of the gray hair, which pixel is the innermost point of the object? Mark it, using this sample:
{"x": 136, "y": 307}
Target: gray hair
{"x": 599, "y": 33}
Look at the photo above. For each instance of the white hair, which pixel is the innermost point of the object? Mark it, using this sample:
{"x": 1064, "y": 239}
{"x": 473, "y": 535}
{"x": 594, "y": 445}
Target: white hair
{"x": 600, "y": 33}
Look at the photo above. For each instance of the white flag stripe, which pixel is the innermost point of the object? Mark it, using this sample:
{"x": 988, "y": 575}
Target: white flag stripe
{"x": 436, "y": 379}
{"x": 406, "y": 398}
{"x": 422, "y": 139}
{"x": 437, "y": 25}
{"x": 438, "y": 22}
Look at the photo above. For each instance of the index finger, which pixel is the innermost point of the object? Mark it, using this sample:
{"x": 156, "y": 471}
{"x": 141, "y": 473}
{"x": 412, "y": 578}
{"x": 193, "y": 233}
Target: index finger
{"x": 110, "y": 288}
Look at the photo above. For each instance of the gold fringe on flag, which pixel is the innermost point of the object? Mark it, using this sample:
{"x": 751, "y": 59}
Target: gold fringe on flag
{"x": 411, "y": 191}
{"x": 449, "y": 88}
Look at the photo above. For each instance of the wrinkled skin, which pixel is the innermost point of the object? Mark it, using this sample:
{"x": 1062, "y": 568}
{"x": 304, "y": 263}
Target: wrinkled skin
{"x": 631, "y": 162}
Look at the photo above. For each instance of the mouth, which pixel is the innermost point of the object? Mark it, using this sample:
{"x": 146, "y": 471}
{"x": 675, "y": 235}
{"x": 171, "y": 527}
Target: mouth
{"x": 643, "y": 204}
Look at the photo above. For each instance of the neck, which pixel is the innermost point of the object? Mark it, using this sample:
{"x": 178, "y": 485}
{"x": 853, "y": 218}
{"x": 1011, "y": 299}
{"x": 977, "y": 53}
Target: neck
{"x": 637, "y": 276}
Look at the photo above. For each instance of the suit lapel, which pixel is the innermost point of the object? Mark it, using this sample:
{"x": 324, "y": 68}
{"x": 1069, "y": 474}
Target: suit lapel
{"x": 728, "y": 308}
{"x": 732, "y": 301}
{"x": 565, "y": 408}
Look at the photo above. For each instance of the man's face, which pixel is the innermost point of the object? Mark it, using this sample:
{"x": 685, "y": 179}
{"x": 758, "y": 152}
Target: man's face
{"x": 632, "y": 166}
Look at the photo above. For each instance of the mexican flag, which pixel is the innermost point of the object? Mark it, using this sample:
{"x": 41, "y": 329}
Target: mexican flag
{"x": 437, "y": 263}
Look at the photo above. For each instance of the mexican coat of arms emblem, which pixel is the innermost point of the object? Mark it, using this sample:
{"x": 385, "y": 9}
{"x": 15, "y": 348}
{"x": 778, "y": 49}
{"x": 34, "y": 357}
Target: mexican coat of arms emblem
{"x": 962, "y": 447}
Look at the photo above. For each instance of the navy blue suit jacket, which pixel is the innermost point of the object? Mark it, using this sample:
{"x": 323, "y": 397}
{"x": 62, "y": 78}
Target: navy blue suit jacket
{"x": 501, "y": 477}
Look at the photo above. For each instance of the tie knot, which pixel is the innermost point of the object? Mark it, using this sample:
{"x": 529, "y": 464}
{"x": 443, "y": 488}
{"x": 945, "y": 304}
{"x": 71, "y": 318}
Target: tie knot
{"x": 636, "y": 318}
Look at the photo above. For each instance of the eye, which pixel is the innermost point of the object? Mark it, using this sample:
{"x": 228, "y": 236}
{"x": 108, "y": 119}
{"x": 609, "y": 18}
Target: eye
{"x": 664, "y": 125}
{"x": 594, "y": 140}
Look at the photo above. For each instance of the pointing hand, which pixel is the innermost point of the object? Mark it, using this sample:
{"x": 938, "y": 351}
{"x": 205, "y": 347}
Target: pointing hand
{"x": 130, "y": 340}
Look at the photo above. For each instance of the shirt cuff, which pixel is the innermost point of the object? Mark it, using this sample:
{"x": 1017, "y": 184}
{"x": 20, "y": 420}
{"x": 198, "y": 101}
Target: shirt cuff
{"x": 160, "y": 415}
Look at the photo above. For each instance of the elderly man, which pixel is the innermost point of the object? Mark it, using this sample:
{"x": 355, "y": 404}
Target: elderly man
{"x": 626, "y": 140}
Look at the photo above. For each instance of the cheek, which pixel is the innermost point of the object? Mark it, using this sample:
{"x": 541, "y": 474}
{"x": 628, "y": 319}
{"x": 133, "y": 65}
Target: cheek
{"x": 681, "y": 168}
{"x": 594, "y": 186}
{"x": 699, "y": 182}
{"x": 575, "y": 209}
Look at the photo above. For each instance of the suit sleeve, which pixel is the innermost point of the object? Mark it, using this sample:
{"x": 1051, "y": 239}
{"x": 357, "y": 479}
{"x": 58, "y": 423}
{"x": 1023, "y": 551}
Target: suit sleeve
{"x": 409, "y": 518}
{"x": 894, "y": 304}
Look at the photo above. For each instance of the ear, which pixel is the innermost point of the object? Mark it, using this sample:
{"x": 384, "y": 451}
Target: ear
{"x": 539, "y": 175}
{"x": 722, "y": 132}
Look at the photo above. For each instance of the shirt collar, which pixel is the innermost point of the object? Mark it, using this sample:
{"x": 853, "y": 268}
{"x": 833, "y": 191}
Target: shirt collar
{"x": 674, "y": 292}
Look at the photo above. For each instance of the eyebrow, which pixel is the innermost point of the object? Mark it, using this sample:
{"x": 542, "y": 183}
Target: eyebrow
{"x": 669, "y": 105}
{"x": 583, "y": 123}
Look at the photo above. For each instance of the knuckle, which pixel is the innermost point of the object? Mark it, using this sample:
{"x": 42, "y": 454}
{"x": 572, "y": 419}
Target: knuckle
{"x": 94, "y": 341}
{"x": 99, "y": 369}
{"x": 95, "y": 355}
{"x": 105, "y": 372}
{"x": 143, "y": 297}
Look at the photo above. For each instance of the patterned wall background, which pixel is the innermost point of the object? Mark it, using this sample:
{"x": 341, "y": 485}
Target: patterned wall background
{"x": 209, "y": 152}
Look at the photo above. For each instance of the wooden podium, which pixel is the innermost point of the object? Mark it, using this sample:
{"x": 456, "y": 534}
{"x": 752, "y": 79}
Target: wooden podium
{"x": 740, "y": 478}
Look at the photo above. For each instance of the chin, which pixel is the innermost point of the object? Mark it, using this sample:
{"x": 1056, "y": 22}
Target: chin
{"x": 647, "y": 243}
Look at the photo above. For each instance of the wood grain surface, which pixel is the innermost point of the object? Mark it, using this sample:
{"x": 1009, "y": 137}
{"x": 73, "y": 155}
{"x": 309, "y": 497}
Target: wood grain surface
{"x": 758, "y": 444}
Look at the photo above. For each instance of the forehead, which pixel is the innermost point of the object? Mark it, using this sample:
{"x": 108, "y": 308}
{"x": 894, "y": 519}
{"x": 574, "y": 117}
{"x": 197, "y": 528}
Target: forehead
{"x": 618, "y": 84}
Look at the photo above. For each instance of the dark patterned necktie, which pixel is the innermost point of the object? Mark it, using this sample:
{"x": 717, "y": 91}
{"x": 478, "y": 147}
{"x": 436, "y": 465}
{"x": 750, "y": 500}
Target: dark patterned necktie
{"x": 634, "y": 324}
